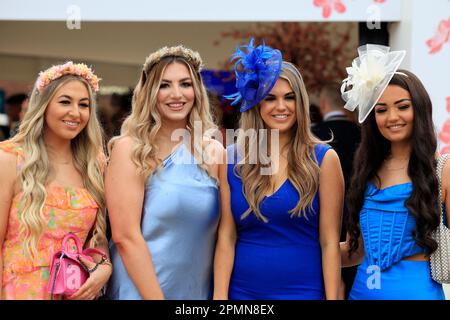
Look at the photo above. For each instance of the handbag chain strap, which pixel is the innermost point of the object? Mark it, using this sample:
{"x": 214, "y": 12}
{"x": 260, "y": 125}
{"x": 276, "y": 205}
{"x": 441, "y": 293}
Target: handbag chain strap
{"x": 439, "y": 168}
{"x": 58, "y": 268}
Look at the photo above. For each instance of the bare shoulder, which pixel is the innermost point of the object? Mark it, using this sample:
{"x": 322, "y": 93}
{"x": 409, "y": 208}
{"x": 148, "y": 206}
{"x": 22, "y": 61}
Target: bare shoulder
{"x": 7, "y": 157}
{"x": 215, "y": 149}
{"x": 8, "y": 162}
{"x": 122, "y": 150}
{"x": 215, "y": 144}
{"x": 121, "y": 166}
{"x": 123, "y": 145}
{"x": 331, "y": 167}
{"x": 121, "y": 155}
{"x": 330, "y": 158}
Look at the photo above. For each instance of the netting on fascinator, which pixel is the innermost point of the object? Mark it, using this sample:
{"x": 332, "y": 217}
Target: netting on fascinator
{"x": 257, "y": 70}
{"x": 369, "y": 76}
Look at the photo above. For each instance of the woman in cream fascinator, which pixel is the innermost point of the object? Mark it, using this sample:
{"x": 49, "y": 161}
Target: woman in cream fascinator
{"x": 393, "y": 195}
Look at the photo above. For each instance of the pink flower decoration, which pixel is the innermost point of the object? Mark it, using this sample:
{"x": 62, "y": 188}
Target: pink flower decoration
{"x": 379, "y": 1}
{"x": 56, "y": 72}
{"x": 442, "y": 36}
{"x": 329, "y": 5}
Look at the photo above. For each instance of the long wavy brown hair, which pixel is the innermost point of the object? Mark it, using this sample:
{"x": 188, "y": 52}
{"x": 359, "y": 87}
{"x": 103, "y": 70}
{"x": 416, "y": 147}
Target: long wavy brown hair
{"x": 374, "y": 149}
{"x": 303, "y": 169}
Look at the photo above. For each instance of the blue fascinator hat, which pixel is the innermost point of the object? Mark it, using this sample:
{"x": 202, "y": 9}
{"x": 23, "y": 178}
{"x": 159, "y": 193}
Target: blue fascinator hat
{"x": 257, "y": 70}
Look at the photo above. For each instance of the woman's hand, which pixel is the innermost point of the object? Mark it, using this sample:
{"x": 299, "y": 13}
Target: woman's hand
{"x": 91, "y": 289}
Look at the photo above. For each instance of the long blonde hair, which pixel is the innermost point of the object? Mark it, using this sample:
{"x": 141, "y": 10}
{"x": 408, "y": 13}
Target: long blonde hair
{"x": 144, "y": 122}
{"x": 303, "y": 170}
{"x": 37, "y": 168}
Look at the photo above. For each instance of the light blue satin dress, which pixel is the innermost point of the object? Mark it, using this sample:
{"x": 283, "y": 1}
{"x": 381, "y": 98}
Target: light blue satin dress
{"x": 179, "y": 223}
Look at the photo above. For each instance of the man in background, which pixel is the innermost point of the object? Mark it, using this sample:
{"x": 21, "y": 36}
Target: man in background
{"x": 346, "y": 136}
{"x": 13, "y": 109}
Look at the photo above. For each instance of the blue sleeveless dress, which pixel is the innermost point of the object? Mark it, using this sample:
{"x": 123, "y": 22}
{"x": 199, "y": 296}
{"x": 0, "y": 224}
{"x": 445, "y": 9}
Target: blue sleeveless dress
{"x": 179, "y": 223}
{"x": 280, "y": 259}
{"x": 387, "y": 230}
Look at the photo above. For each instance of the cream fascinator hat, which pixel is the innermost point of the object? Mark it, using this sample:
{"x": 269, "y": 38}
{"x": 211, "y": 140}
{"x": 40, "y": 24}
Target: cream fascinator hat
{"x": 369, "y": 76}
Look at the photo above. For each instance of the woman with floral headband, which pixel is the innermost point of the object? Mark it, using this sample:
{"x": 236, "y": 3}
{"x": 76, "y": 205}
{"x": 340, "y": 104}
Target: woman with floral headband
{"x": 52, "y": 184}
{"x": 162, "y": 184}
{"x": 278, "y": 239}
{"x": 393, "y": 196}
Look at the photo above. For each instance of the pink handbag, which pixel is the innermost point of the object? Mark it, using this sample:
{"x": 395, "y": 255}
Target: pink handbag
{"x": 67, "y": 272}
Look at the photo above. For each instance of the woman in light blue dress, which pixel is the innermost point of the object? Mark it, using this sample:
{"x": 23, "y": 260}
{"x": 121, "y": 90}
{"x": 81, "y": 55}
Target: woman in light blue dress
{"x": 394, "y": 190}
{"x": 162, "y": 185}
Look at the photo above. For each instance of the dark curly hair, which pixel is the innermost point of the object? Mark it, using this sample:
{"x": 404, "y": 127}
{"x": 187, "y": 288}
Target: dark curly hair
{"x": 373, "y": 150}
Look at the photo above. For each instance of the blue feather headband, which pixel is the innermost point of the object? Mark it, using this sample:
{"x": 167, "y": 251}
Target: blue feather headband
{"x": 257, "y": 70}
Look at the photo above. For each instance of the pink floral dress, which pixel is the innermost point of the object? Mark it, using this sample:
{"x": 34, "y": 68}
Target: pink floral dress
{"x": 66, "y": 209}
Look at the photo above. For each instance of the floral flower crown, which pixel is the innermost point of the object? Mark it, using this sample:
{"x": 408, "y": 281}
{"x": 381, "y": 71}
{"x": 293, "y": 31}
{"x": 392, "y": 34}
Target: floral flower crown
{"x": 193, "y": 57}
{"x": 56, "y": 72}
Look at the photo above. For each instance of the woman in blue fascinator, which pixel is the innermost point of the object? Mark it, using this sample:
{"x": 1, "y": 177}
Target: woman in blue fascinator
{"x": 394, "y": 191}
{"x": 278, "y": 236}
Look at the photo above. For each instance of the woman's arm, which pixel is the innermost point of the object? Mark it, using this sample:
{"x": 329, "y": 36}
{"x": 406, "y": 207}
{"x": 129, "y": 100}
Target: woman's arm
{"x": 331, "y": 190}
{"x": 91, "y": 289}
{"x": 226, "y": 241}
{"x": 100, "y": 238}
{"x": 97, "y": 280}
{"x": 356, "y": 257}
{"x": 125, "y": 190}
{"x": 7, "y": 178}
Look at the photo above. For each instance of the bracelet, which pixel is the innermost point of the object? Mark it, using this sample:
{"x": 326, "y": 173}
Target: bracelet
{"x": 94, "y": 268}
{"x": 83, "y": 265}
{"x": 106, "y": 261}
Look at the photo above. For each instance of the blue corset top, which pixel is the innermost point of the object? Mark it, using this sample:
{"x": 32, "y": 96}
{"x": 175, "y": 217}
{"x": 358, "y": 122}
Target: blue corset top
{"x": 387, "y": 226}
